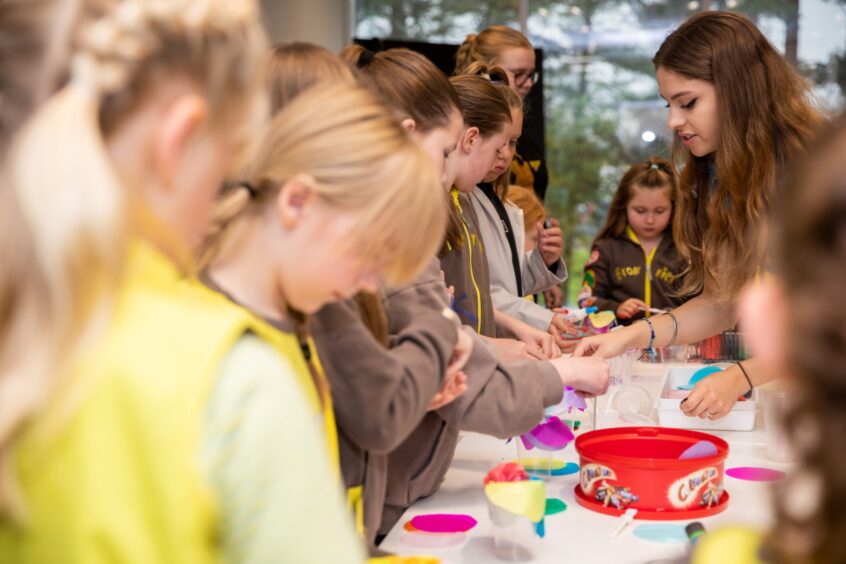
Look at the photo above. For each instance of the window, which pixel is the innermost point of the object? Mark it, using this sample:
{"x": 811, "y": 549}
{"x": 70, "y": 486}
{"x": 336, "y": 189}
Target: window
{"x": 602, "y": 107}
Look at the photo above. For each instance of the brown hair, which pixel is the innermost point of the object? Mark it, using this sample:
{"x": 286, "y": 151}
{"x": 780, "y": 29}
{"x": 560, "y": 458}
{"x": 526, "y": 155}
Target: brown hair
{"x": 499, "y": 78}
{"x": 295, "y": 67}
{"x": 487, "y": 45}
{"x": 765, "y": 120}
{"x": 654, "y": 173}
{"x": 484, "y": 107}
{"x": 527, "y": 200}
{"x": 409, "y": 82}
{"x": 809, "y": 255}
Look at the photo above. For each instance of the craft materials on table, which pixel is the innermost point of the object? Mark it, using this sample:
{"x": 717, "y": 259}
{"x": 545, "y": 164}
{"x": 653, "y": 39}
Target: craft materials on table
{"x": 625, "y": 520}
{"x": 517, "y": 505}
{"x": 661, "y": 533}
{"x": 755, "y": 474}
{"x": 641, "y": 468}
{"x": 554, "y": 505}
{"x": 441, "y": 523}
{"x": 678, "y": 383}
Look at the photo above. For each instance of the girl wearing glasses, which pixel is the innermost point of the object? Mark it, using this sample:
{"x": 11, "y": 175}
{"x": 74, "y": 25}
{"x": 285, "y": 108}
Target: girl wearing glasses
{"x": 506, "y": 48}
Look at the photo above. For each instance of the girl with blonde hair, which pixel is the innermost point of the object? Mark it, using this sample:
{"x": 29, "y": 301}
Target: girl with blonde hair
{"x": 118, "y": 437}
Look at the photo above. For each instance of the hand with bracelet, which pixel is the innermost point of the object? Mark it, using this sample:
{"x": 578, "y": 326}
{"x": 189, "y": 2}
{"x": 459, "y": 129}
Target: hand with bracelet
{"x": 649, "y": 332}
{"x": 714, "y": 396}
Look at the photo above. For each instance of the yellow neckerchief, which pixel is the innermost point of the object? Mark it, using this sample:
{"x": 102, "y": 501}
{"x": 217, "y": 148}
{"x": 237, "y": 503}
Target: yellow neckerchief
{"x": 647, "y": 280}
{"x": 455, "y": 193}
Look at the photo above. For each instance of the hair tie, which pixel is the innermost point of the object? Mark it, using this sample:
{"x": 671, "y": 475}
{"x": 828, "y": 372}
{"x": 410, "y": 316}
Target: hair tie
{"x": 654, "y": 166}
{"x": 251, "y": 190}
{"x": 366, "y": 58}
{"x": 496, "y": 78}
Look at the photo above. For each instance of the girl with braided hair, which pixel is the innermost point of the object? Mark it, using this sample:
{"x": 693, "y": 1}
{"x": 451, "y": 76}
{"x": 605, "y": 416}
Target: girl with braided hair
{"x": 140, "y": 419}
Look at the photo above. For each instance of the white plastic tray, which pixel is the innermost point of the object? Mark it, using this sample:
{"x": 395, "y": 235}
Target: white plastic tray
{"x": 740, "y": 418}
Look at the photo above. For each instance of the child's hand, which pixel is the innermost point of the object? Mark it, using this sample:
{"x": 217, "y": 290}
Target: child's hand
{"x": 553, "y": 297}
{"x": 511, "y": 350}
{"x": 560, "y": 326}
{"x": 450, "y": 290}
{"x": 537, "y": 341}
{"x": 630, "y": 307}
{"x": 550, "y": 242}
{"x": 588, "y": 375}
{"x": 453, "y": 387}
{"x": 461, "y": 352}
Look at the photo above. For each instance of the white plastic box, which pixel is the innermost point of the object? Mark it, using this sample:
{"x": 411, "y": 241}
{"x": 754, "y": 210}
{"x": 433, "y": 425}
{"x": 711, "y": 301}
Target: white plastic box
{"x": 740, "y": 418}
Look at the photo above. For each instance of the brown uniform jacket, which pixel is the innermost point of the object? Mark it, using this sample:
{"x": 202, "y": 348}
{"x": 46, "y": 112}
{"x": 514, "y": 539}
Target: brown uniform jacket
{"x": 619, "y": 269}
{"x": 501, "y": 400}
{"x": 379, "y": 395}
{"x": 466, "y": 269}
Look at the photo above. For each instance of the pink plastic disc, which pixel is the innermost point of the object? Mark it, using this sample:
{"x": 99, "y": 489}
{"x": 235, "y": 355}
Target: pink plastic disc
{"x": 754, "y": 474}
{"x": 443, "y": 523}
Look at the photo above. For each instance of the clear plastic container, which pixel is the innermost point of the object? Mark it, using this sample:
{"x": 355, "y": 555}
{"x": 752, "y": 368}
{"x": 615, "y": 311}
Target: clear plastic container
{"x": 625, "y": 404}
{"x": 740, "y": 418}
{"x": 515, "y": 537}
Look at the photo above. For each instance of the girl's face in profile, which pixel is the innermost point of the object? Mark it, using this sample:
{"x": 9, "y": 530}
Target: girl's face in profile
{"x": 440, "y": 144}
{"x": 478, "y": 159}
{"x": 506, "y": 154}
{"x": 692, "y": 107}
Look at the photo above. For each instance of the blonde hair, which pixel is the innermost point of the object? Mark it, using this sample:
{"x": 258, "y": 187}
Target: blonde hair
{"x": 527, "y": 200}
{"x": 65, "y": 213}
{"x": 296, "y": 67}
{"x": 487, "y": 45}
{"x": 346, "y": 145}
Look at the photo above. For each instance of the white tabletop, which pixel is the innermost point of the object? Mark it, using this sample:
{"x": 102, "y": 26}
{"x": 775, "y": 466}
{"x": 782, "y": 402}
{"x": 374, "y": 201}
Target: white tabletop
{"x": 578, "y": 535}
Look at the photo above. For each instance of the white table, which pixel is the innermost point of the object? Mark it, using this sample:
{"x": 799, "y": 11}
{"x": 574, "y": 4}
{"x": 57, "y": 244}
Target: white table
{"x": 578, "y": 535}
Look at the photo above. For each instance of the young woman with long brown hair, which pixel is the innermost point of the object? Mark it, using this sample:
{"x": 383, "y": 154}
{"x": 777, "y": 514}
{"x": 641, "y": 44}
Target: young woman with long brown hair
{"x": 740, "y": 113}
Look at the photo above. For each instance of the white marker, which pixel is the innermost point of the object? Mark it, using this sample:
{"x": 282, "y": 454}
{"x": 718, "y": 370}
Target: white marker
{"x": 625, "y": 520}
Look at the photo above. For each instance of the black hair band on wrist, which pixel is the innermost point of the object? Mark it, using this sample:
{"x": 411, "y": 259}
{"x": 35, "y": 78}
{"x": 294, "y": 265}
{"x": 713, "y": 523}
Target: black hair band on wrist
{"x": 748, "y": 394}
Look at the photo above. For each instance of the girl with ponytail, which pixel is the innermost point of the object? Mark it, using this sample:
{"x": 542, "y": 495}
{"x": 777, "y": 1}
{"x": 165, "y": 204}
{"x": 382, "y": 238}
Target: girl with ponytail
{"x": 139, "y": 420}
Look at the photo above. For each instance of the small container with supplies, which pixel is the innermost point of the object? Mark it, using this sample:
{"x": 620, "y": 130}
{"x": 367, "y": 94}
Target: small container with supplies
{"x": 678, "y": 383}
{"x": 665, "y": 474}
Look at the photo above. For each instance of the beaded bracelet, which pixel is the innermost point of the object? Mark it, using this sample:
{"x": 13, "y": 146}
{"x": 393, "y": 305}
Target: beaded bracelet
{"x": 651, "y": 346}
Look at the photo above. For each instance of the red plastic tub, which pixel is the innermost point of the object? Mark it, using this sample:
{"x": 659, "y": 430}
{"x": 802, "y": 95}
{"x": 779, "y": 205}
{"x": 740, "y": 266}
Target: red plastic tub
{"x": 639, "y": 467}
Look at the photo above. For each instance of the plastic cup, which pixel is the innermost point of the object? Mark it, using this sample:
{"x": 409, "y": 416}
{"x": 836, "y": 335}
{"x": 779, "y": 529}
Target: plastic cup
{"x": 620, "y": 368}
{"x": 776, "y": 404}
{"x": 539, "y": 462}
{"x": 515, "y": 537}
